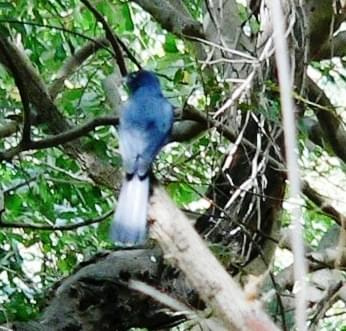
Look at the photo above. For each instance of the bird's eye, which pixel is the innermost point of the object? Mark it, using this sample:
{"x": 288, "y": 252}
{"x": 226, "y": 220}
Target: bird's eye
{"x": 131, "y": 77}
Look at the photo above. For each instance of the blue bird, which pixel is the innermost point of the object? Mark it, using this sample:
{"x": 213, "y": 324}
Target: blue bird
{"x": 145, "y": 124}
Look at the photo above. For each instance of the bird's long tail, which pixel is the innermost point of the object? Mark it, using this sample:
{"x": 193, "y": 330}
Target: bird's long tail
{"x": 129, "y": 225}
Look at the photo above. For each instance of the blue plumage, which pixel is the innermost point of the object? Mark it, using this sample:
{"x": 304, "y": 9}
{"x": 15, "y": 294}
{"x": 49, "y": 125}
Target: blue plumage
{"x": 145, "y": 124}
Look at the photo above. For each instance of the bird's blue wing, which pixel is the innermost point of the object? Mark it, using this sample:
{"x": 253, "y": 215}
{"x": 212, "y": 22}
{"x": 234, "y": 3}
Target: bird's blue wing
{"x": 132, "y": 142}
{"x": 141, "y": 140}
{"x": 158, "y": 130}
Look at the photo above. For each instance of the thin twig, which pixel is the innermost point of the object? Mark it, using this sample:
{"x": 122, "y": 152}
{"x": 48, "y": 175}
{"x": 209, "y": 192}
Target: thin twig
{"x": 59, "y": 139}
{"x": 114, "y": 41}
{"x": 325, "y": 304}
{"x": 58, "y": 28}
{"x": 161, "y": 297}
{"x": 26, "y": 182}
{"x": 192, "y": 114}
{"x": 36, "y": 226}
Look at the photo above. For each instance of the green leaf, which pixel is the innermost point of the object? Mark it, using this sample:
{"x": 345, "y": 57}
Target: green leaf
{"x": 182, "y": 193}
{"x": 60, "y": 53}
{"x": 127, "y": 17}
{"x": 170, "y": 45}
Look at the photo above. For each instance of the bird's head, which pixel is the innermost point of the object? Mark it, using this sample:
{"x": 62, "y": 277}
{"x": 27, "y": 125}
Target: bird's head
{"x": 142, "y": 78}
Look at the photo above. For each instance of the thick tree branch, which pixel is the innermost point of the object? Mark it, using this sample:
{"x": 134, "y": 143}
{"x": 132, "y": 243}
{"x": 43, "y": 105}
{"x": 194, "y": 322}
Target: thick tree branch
{"x": 26, "y": 135}
{"x": 335, "y": 46}
{"x": 322, "y": 23}
{"x": 97, "y": 296}
{"x": 331, "y": 124}
{"x": 171, "y": 19}
{"x": 73, "y": 63}
{"x": 186, "y": 130}
{"x": 185, "y": 248}
{"x": 8, "y": 129}
{"x": 320, "y": 201}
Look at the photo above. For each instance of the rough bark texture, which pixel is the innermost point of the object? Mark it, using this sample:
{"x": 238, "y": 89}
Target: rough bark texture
{"x": 96, "y": 296}
{"x": 172, "y": 19}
